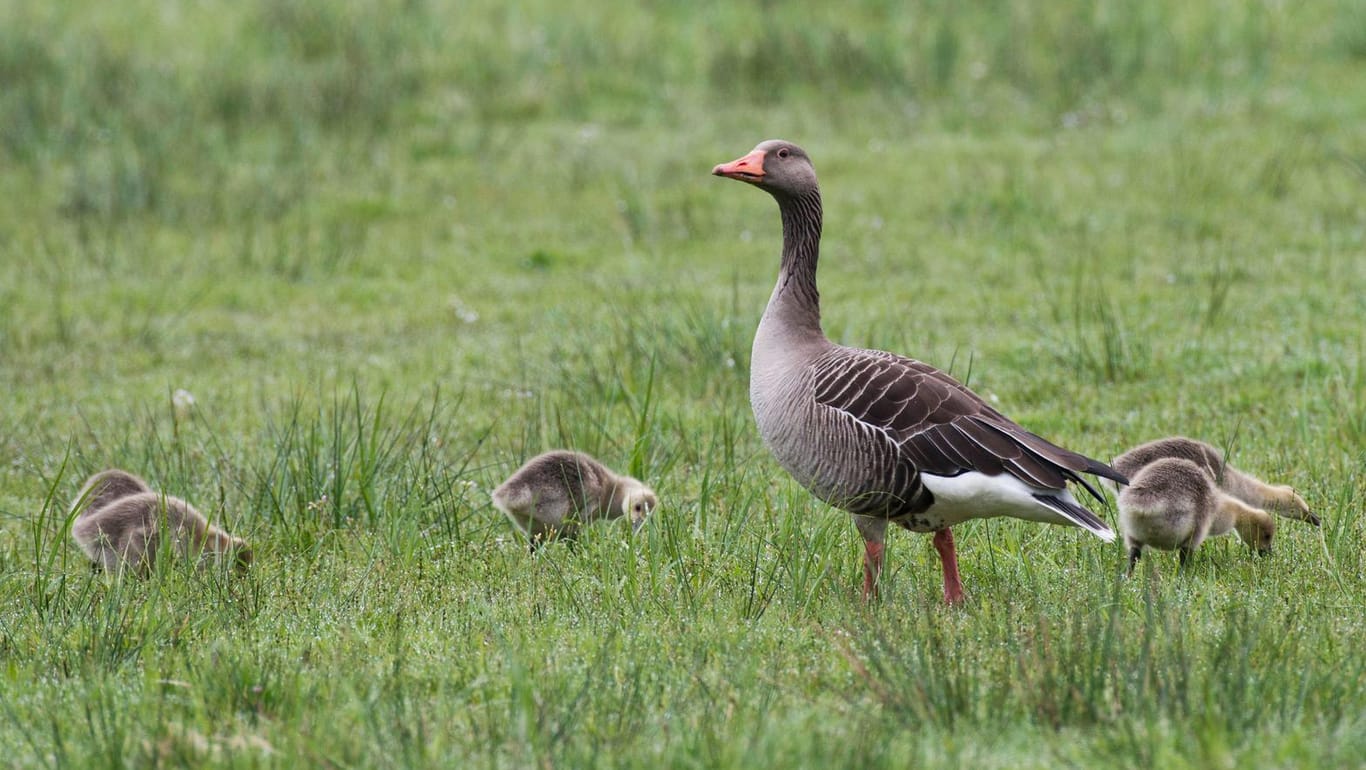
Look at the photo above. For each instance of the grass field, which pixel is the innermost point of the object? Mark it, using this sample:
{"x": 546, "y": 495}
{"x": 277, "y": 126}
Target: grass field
{"x": 394, "y": 248}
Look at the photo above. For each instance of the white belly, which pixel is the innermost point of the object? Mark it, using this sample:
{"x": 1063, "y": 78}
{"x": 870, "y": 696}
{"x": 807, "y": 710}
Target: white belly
{"x": 975, "y": 495}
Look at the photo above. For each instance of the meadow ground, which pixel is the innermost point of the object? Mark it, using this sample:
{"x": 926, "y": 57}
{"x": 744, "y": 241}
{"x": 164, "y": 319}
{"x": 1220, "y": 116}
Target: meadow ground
{"x": 394, "y": 248}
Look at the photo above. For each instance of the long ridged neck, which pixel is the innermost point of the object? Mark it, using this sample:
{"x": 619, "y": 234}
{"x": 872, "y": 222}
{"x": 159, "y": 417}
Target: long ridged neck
{"x": 796, "y": 301}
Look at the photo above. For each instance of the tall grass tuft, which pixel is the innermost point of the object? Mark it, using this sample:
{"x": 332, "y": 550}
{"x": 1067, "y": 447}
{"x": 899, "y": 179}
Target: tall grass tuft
{"x": 1099, "y": 344}
{"x": 349, "y": 464}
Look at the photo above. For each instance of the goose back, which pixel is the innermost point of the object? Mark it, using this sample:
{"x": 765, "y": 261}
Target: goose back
{"x": 127, "y": 533}
{"x": 1203, "y": 455}
{"x": 104, "y": 488}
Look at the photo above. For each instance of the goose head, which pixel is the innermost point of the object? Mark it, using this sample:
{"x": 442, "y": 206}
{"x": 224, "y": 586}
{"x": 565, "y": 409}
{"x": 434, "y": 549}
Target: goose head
{"x": 1292, "y": 506}
{"x": 1258, "y": 533}
{"x": 637, "y": 504}
{"x": 781, "y": 168}
{"x": 242, "y": 555}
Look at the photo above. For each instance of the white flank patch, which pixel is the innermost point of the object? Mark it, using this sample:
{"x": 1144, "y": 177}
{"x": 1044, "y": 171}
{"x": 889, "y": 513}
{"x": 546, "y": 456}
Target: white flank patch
{"x": 975, "y": 495}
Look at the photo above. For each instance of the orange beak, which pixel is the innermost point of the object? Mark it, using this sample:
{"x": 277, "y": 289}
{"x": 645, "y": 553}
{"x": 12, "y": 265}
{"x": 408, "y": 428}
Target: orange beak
{"x": 747, "y": 169}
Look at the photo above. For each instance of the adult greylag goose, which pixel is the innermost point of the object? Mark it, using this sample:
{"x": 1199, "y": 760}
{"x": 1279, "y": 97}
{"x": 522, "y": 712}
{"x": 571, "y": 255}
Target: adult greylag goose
{"x": 1279, "y": 499}
{"x": 1173, "y": 504}
{"x": 884, "y": 437}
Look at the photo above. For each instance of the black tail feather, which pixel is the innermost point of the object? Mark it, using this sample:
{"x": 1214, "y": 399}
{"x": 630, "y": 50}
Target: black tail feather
{"x": 1078, "y": 515}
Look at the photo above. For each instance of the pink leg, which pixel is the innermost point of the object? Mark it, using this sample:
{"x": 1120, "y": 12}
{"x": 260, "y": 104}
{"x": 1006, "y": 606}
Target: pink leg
{"x": 953, "y": 585}
{"x": 872, "y": 568}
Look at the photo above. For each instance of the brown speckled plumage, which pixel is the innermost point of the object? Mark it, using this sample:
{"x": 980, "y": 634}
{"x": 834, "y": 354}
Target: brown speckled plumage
{"x": 555, "y": 493}
{"x": 121, "y": 524}
{"x": 105, "y": 487}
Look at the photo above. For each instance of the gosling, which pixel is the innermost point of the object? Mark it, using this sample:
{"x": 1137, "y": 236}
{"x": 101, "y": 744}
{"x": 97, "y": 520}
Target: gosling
{"x": 1173, "y": 504}
{"x": 104, "y": 488}
{"x": 121, "y": 522}
{"x": 555, "y": 493}
{"x": 1281, "y": 500}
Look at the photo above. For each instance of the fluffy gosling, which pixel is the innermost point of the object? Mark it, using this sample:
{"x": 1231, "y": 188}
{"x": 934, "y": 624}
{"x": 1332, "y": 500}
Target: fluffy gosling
{"x": 121, "y": 522}
{"x": 555, "y": 493}
{"x": 1278, "y": 499}
{"x": 104, "y": 488}
{"x": 1173, "y": 504}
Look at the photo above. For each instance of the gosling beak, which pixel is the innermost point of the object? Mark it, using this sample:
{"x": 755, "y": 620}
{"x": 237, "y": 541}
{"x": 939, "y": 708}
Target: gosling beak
{"x": 1312, "y": 519}
{"x": 747, "y": 169}
{"x": 637, "y": 524}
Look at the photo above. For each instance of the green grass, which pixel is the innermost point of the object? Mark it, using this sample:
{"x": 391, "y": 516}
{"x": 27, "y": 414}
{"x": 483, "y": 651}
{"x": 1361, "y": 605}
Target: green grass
{"x": 395, "y": 248}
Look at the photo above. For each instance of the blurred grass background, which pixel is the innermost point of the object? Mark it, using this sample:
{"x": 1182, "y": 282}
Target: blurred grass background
{"x": 394, "y": 248}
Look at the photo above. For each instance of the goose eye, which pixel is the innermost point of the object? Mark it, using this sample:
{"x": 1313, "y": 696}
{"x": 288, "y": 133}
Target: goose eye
{"x": 784, "y": 152}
